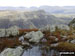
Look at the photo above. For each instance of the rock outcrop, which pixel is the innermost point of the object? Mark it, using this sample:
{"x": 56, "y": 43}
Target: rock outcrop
{"x": 14, "y": 30}
{"x": 2, "y": 32}
{"x": 12, "y": 52}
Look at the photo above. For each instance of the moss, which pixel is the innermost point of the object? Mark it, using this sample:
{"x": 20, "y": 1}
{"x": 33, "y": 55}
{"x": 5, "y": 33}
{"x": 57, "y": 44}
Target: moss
{"x": 65, "y": 46}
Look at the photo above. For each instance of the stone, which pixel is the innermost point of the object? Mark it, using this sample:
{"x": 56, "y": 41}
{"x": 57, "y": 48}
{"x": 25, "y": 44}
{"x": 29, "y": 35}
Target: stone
{"x": 54, "y": 45}
{"x": 14, "y": 30}
{"x": 34, "y": 36}
{"x": 73, "y": 41}
{"x": 65, "y": 27}
{"x": 2, "y": 32}
{"x": 12, "y": 52}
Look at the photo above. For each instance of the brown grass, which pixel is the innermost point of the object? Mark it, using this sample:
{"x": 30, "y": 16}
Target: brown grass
{"x": 65, "y": 46}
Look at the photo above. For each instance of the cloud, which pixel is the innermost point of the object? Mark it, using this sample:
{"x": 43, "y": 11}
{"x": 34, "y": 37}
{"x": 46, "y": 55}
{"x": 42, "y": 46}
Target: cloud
{"x": 29, "y": 3}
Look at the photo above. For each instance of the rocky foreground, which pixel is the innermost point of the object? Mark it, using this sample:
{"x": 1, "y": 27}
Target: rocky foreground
{"x": 48, "y": 38}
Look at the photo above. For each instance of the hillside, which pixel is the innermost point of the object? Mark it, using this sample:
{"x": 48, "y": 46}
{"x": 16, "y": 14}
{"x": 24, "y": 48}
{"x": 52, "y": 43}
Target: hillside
{"x": 29, "y": 19}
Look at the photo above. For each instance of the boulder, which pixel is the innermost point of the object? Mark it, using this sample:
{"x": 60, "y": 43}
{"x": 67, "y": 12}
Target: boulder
{"x": 2, "y": 32}
{"x": 73, "y": 41}
{"x": 50, "y": 28}
{"x": 14, "y": 30}
{"x": 46, "y": 28}
{"x": 54, "y": 45}
{"x": 24, "y": 42}
{"x": 34, "y": 36}
{"x": 21, "y": 38}
{"x": 12, "y": 52}
{"x": 65, "y": 27}
{"x": 8, "y": 32}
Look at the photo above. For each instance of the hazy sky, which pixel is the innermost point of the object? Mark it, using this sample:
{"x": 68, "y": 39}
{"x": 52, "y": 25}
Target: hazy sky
{"x": 29, "y": 3}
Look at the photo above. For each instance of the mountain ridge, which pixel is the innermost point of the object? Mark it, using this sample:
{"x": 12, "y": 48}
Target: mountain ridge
{"x": 49, "y": 9}
{"x": 33, "y": 19}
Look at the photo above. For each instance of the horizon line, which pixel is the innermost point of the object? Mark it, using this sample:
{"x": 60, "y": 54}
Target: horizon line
{"x": 39, "y": 6}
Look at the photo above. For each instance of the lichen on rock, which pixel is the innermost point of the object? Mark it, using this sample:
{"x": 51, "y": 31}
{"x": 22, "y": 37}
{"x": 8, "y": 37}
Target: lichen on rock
{"x": 12, "y": 52}
{"x": 34, "y": 36}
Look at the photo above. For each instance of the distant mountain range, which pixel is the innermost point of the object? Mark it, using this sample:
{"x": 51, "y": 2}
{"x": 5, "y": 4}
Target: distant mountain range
{"x": 49, "y": 9}
{"x": 30, "y": 19}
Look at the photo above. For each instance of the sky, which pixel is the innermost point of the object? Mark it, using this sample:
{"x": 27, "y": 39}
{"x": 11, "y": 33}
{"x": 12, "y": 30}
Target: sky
{"x": 37, "y": 3}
